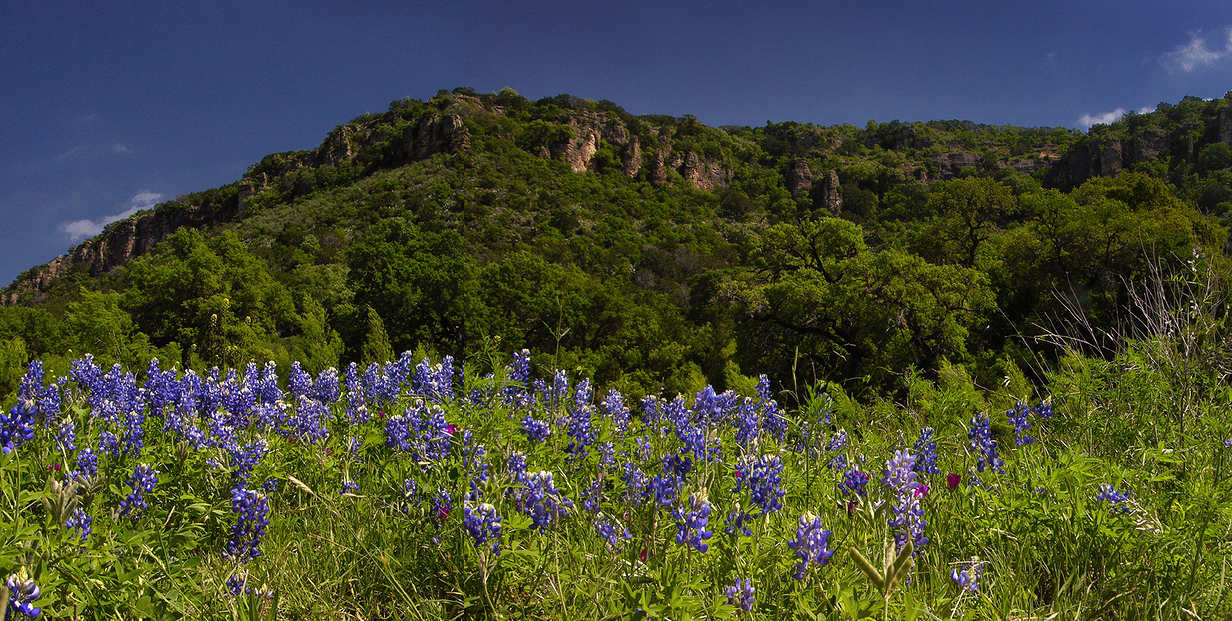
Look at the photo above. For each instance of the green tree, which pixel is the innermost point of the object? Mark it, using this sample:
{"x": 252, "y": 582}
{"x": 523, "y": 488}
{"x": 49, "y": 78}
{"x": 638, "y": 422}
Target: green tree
{"x": 318, "y": 346}
{"x": 376, "y": 342}
{"x": 13, "y": 359}
{"x": 850, "y": 312}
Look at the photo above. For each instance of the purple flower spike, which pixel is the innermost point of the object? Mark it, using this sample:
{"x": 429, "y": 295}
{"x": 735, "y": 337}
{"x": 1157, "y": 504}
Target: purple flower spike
{"x": 740, "y": 594}
{"x": 810, "y": 544}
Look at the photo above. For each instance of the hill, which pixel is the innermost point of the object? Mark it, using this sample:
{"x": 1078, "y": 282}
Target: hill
{"x": 652, "y": 253}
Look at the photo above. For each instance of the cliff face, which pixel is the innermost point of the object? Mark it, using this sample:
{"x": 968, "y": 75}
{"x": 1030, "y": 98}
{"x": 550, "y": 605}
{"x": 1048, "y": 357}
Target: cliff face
{"x": 124, "y": 240}
{"x": 119, "y": 243}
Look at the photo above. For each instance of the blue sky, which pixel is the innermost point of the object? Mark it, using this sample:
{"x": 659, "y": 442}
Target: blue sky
{"x": 110, "y": 107}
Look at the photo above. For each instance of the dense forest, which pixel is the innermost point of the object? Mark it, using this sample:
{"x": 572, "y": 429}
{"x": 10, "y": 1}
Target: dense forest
{"x": 652, "y": 253}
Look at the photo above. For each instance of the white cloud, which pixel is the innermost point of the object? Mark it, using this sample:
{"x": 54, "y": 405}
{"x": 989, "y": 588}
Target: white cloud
{"x": 1086, "y": 121}
{"x": 81, "y": 229}
{"x": 120, "y": 147}
{"x": 73, "y": 152}
{"x": 1197, "y": 53}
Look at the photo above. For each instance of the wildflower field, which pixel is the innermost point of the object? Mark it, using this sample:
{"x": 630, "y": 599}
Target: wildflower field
{"x": 422, "y": 491}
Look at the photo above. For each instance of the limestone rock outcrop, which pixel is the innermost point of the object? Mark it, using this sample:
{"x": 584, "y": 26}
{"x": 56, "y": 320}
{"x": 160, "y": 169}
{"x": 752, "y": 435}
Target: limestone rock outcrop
{"x": 799, "y": 178}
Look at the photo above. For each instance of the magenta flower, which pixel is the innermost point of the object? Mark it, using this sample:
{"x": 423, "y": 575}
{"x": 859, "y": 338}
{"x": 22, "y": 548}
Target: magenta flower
{"x": 952, "y": 480}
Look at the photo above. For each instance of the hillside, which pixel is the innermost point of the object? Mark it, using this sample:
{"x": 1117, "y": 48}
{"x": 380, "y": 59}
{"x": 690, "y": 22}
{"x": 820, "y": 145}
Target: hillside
{"x": 652, "y": 253}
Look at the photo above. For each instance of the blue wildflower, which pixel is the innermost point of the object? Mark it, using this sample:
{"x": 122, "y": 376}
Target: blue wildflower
{"x": 741, "y": 593}
{"x": 1119, "y": 501}
{"x": 1043, "y": 409}
{"x": 691, "y": 520}
{"x": 908, "y": 520}
{"x": 22, "y": 595}
{"x": 853, "y": 482}
{"x": 926, "y": 453}
{"x": 1018, "y": 418}
{"x": 81, "y": 522}
{"x": 542, "y": 501}
{"x": 252, "y": 510}
{"x": 763, "y": 476}
{"x": 535, "y": 430}
{"x": 736, "y": 522}
{"x": 967, "y": 575}
{"x": 483, "y": 524}
{"x": 981, "y": 443}
{"x": 143, "y": 482}
{"x": 611, "y": 530}
{"x": 810, "y": 544}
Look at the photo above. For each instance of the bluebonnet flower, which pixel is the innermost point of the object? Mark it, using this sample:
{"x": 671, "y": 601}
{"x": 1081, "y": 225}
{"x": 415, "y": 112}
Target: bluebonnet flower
{"x": 357, "y": 396}
{"x": 614, "y": 408}
{"x": 810, "y": 544}
{"x": 442, "y": 505}
{"x": 763, "y": 475}
{"x": 353, "y": 445}
{"x": 237, "y": 584}
{"x": 305, "y": 423}
{"x": 644, "y": 450}
{"x": 1228, "y": 443}
{"x": 517, "y": 393}
{"x": 542, "y": 501}
{"x": 592, "y": 496}
{"x": 611, "y": 530}
{"x": 66, "y": 435}
{"x": 664, "y": 489}
{"x": 652, "y": 409}
{"x": 80, "y": 521}
{"x": 244, "y": 459}
{"x": 1043, "y": 409}
{"x": 926, "y": 453}
{"x": 555, "y": 397}
{"x": 1018, "y": 418}
{"x": 325, "y": 388}
{"x": 635, "y": 482}
{"x": 108, "y": 444}
{"x": 772, "y": 420}
{"x": 483, "y": 524}
{"x": 691, "y": 520}
{"x": 535, "y": 430}
{"x": 410, "y": 496}
{"x": 434, "y": 383}
{"x": 853, "y": 482}
{"x": 980, "y": 435}
{"x": 298, "y": 381}
{"x": 162, "y": 388}
{"x": 908, "y": 521}
{"x": 736, "y": 520}
{"x": 17, "y": 427}
{"x": 968, "y": 577}
{"x": 401, "y": 432}
{"x": 89, "y": 376}
{"x": 348, "y": 487}
{"x": 252, "y": 509}
{"x": 435, "y": 434}
{"x": 607, "y": 452}
{"x": 516, "y": 465}
{"x": 741, "y": 593}
{"x": 838, "y": 444}
{"x": 747, "y": 423}
{"x": 22, "y": 595}
{"x": 1119, "y": 501}
{"x": 143, "y": 482}
{"x": 87, "y": 465}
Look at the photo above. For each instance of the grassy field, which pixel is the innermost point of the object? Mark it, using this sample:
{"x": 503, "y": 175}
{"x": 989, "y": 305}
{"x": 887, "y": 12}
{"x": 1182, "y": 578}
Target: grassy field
{"x": 423, "y": 491}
